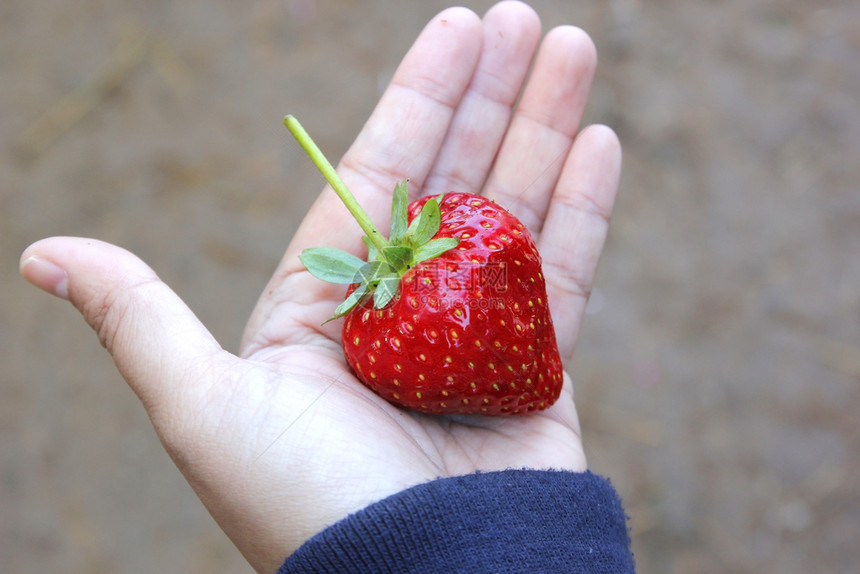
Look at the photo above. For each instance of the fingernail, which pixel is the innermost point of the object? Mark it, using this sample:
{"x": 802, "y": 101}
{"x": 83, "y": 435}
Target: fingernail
{"x": 46, "y": 275}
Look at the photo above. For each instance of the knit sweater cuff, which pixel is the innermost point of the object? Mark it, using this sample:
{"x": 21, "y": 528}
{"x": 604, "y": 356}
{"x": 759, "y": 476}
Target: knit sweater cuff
{"x": 508, "y": 521}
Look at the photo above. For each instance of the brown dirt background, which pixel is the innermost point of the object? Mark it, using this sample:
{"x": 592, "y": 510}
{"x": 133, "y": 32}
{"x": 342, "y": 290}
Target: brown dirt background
{"x": 719, "y": 366}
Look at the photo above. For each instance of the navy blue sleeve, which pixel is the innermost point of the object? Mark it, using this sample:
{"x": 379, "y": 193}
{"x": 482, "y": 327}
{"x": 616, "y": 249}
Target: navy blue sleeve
{"x": 500, "y": 522}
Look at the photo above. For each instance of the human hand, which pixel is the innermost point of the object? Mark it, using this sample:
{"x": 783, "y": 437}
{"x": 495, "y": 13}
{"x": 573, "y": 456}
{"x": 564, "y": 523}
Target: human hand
{"x": 282, "y": 440}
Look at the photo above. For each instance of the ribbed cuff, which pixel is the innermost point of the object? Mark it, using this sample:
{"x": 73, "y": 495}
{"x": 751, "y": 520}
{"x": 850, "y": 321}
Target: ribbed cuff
{"x": 511, "y": 521}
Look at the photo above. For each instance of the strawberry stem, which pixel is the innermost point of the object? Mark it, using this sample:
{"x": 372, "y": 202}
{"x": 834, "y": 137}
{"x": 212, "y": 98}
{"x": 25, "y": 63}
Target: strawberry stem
{"x": 336, "y": 183}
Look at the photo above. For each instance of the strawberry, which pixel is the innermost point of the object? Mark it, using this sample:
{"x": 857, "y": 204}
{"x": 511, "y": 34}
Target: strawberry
{"x": 450, "y": 314}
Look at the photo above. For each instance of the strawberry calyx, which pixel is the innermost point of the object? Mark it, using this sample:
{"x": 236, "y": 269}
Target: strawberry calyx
{"x": 408, "y": 244}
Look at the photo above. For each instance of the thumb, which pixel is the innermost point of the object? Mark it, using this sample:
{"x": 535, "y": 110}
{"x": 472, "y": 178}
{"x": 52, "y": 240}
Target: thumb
{"x": 159, "y": 346}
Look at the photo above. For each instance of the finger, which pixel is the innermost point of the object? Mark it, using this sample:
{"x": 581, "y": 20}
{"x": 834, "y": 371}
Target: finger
{"x": 403, "y": 135}
{"x": 400, "y": 140}
{"x": 544, "y": 125}
{"x": 511, "y": 34}
{"x": 576, "y": 226}
{"x": 153, "y": 336}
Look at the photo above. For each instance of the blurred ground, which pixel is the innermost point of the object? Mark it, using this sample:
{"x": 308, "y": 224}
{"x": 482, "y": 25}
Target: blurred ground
{"x": 719, "y": 366}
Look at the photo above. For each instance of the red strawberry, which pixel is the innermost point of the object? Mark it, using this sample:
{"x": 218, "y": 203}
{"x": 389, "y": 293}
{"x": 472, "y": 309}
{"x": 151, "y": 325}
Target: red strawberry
{"x": 450, "y": 314}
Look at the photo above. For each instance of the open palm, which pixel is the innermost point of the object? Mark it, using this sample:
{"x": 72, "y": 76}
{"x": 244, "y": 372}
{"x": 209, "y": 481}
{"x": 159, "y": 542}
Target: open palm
{"x": 283, "y": 440}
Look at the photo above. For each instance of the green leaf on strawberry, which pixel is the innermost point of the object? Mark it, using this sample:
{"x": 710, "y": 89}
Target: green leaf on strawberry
{"x": 332, "y": 265}
{"x": 434, "y": 248}
{"x": 399, "y": 217}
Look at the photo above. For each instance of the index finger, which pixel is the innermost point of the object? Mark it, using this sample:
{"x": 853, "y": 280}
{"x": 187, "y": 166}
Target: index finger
{"x": 400, "y": 140}
{"x": 403, "y": 135}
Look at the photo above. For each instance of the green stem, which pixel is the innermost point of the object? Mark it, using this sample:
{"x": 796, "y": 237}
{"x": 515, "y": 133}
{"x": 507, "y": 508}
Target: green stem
{"x": 337, "y": 184}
